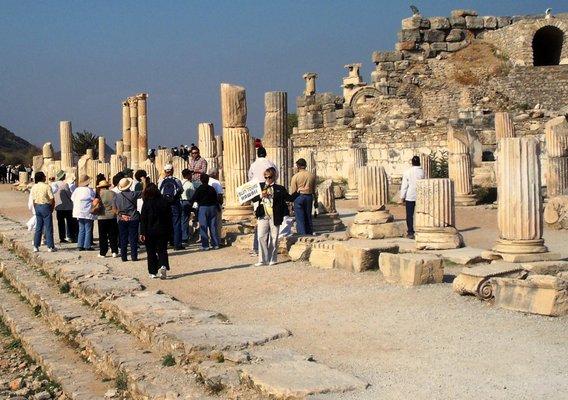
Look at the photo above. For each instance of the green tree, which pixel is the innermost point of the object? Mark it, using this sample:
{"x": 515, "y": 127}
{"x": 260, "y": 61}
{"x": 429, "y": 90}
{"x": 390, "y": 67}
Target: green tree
{"x": 292, "y": 122}
{"x": 83, "y": 141}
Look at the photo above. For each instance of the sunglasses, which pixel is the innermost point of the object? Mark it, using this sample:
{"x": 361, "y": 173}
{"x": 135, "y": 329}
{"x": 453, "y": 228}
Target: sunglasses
{"x": 194, "y": 152}
{"x": 268, "y": 177}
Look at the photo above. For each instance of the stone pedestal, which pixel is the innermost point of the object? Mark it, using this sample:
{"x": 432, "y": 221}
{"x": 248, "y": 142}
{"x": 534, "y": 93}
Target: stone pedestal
{"x": 208, "y": 145}
{"x": 356, "y": 159}
{"x": 411, "y": 269}
{"x": 126, "y": 130}
{"x": 503, "y": 126}
{"x": 519, "y": 214}
{"x": 23, "y": 178}
{"x": 434, "y": 221}
{"x": 66, "y": 142}
{"x": 327, "y": 219}
{"x": 556, "y": 135}
{"x": 102, "y": 149}
{"x": 133, "y": 104}
{"x": 459, "y": 166}
{"x": 142, "y": 109}
{"x": 276, "y": 133}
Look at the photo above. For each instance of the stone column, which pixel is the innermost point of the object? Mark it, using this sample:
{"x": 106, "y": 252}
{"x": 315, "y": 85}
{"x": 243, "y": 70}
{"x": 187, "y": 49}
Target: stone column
{"x": 142, "y": 107}
{"x": 179, "y": 165}
{"x": 275, "y": 139}
{"x": 310, "y": 79}
{"x": 119, "y": 148}
{"x": 104, "y": 168}
{"x": 426, "y": 164}
{"x": 236, "y": 141}
{"x": 117, "y": 164}
{"x": 207, "y": 145}
{"x": 23, "y": 178}
{"x": 459, "y": 166}
{"x": 126, "y": 130}
{"x": 435, "y": 215}
{"x": 132, "y": 102}
{"x": 219, "y": 143}
{"x": 90, "y": 154}
{"x": 356, "y": 159}
{"x": 66, "y": 142}
{"x": 503, "y": 126}
{"x": 328, "y": 220}
{"x": 556, "y": 136}
{"x": 151, "y": 170}
{"x": 163, "y": 157}
{"x": 519, "y": 215}
{"x": 102, "y": 149}
{"x": 47, "y": 152}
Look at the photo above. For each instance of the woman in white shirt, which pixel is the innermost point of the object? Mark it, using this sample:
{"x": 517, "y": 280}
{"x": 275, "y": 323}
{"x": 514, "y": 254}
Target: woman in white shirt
{"x": 82, "y": 198}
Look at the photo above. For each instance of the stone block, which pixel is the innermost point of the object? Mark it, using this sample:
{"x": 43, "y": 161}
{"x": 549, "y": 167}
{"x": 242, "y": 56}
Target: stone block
{"x": 434, "y": 35}
{"x": 439, "y": 46}
{"x": 455, "y": 46}
{"x": 463, "y": 13}
{"x": 439, "y": 23}
{"x": 546, "y": 267}
{"x": 359, "y": 255}
{"x": 411, "y": 269}
{"x": 373, "y": 217}
{"x": 457, "y": 22}
{"x": 438, "y": 239}
{"x": 406, "y": 45}
{"x": 411, "y": 22}
{"x": 503, "y": 22}
{"x": 455, "y": 35}
{"x": 538, "y": 294}
{"x": 322, "y": 254}
{"x": 474, "y": 22}
{"x": 401, "y": 65}
{"x": 406, "y": 35}
{"x": 385, "y": 66}
{"x": 382, "y": 56}
{"x": 490, "y": 22}
{"x": 378, "y": 231}
{"x": 476, "y": 280}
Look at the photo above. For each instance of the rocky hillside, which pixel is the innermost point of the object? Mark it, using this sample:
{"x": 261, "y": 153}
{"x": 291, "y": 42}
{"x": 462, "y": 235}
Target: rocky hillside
{"x": 14, "y": 149}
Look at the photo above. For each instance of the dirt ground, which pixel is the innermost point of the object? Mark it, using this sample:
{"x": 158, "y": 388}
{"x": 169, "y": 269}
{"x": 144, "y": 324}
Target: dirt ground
{"x": 420, "y": 343}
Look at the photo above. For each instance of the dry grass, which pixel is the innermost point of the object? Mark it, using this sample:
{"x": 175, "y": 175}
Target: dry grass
{"x": 476, "y": 63}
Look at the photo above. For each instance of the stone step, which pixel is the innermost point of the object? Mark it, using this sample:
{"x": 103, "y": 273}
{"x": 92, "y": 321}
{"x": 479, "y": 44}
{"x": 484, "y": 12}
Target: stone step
{"x": 111, "y": 351}
{"x": 62, "y": 364}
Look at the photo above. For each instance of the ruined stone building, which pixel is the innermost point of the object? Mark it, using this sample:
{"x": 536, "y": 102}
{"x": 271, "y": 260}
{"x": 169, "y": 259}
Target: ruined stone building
{"x": 445, "y": 71}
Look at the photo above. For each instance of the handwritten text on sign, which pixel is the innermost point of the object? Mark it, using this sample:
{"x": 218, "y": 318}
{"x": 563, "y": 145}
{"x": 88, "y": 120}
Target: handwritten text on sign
{"x": 248, "y": 191}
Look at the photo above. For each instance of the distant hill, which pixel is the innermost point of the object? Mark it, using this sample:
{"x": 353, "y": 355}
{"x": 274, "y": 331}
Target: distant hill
{"x": 14, "y": 149}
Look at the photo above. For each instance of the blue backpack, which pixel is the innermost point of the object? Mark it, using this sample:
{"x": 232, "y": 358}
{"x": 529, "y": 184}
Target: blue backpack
{"x": 170, "y": 190}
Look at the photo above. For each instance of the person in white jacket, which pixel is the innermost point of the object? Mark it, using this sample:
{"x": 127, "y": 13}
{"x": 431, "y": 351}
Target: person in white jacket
{"x": 408, "y": 192}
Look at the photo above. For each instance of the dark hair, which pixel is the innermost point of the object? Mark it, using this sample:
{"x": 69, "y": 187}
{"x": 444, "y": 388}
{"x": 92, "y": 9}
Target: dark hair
{"x": 204, "y": 178}
{"x": 127, "y": 173}
{"x": 100, "y": 177}
{"x": 416, "y": 161}
{"x": 193, "y": 148}
{"x": 139, "y": 174}
{"x": 301, "y": 163}
{"x": 186, "y": 173}
{"x": 272, "y": 170}
{"x": 39, "y": 177}
{"x": 261, "y": 152}
{"x": 117, "y": 178}
{"x": 151, "y": 192}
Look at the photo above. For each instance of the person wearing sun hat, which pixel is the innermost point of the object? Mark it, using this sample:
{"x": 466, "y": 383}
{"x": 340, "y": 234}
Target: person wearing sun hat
{"x": 66, "y": 225}
{"x": 83, "y": 197}
{"x": 128, "y": 218}
{"x": 106, "y": 220}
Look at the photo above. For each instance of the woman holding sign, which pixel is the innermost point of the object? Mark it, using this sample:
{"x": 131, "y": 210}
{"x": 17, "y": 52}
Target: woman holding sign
{"x": 270, "y": 214}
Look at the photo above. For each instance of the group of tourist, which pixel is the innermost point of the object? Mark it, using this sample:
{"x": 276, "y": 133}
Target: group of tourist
{"x": 10, "y": 173}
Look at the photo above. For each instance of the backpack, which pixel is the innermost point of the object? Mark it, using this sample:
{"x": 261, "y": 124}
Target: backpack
{"x": 170, "y": 190}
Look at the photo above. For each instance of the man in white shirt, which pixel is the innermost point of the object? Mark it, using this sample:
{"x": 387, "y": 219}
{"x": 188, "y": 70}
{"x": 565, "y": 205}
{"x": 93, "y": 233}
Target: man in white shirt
{"x": 261, "y": 164}
{"x": 408, "y": 192}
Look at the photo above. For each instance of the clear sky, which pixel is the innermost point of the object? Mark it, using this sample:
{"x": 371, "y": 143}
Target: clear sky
{"x": 76, "y": 60}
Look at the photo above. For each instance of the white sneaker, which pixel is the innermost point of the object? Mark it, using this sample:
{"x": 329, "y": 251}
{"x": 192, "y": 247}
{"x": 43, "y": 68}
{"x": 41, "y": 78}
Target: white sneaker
{"x": 52, "y": 249}
{"x": 163, "y": 272}
{"x": 114, "y": 255}
{"x": 101, "y": 256}
{"x": 259, "y": 264}
{"x": 272, "y": 263}
{"x": 36, "y": 249}
{"x": 152, "y": 276}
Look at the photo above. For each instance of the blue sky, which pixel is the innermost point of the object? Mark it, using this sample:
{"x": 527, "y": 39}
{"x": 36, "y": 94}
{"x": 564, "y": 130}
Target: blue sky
{"x": 76, "y": 60}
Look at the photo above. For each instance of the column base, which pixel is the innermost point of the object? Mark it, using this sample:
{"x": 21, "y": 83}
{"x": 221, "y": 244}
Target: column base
{"x": 373, "y": 217}
{"x": 520, "y": 246}
{"x": 238, "y": 213}
{"x": 327, "y": 223}
{"x": 465, "y": 200}
{"x": 438, "y": 238}
{"x": 351, "y": 194}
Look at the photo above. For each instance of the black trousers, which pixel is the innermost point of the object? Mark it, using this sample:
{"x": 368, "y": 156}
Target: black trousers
{"x": 410, "y": 205}
{"x": 66, "y": 223}
{"x": 108, "y": 234}
{"x": 157, "y": 251}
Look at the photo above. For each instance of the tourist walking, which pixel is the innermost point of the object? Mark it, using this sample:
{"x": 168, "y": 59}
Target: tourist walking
{"x": 83, "y": 197}
{"x": 408, "y": 193}
{"x": 106, "y": 219}
{"x": 208, "y": 206}
{"x": 186, "y": 207}
{"x": 128, "y": 218}
{"x": 155, "y": 227}
{"x": 197, "y": 165}
{"x": 66, "y": 224}
{"x": 303, "y": 183}
{"x": 170, "y": 187}
{"x": 43, "y": 203}
{"x": 270, "y": 214}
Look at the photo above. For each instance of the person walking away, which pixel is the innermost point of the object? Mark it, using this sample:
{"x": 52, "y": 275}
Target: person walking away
{"x": 303, "y": 183}
{"x": 270, "y": 214}
{"x": 64, "y": 210}
{"x": 186, "y": 207}
{"x": 155, "y": 226}
{"x": 197, "y": 166}
{"x": 214, "y": 182}
{"x": 83, "y": 197}
{"x": 43, "y": 202}
{"x": 408, "y": 192}
{"x": 128, "y": 219}
{"x": 171, "y": 189}
{"x": 208, "y": 205}
{"x": 106, "y": 220}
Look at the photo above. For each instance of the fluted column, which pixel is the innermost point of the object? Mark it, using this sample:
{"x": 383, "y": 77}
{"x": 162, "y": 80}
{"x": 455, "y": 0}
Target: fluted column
{"x": 459, "y": 166}
{"x": 236, "y": 143}
{"x": 435, "y": 215}
{"x": 179, "y": 165}
{"x": 163, "y": 157}
{"x": 503, "y": 126}
{"x": 426, "y": 164}
{"x": 151, "y": 170}
{"x": 556, "y": 135}
{"x": 92, "y": 169}
{"x": 102, "y": 149}
{"x": 132, "y": 102}
{"x": 142, "y": 107}
{"x": 326, "y": 198}
{"x": 207, "y": 145}
{"x": 356, "y": 159}
{"x": 104, "y": 168}
{"x": 219, "y": 145}
{"x": 519, "y": 215}
{"x": 119, "y": 148}
{"x": 275, "y": 139}
{"x": 117, "y": 164}
{"x": 126, "y": 130}
{"x": 373, "y": 188}
{"x": 66, "y": 142}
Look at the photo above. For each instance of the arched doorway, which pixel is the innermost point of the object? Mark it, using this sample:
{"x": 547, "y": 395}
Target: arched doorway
{"x": 547, "y": 46}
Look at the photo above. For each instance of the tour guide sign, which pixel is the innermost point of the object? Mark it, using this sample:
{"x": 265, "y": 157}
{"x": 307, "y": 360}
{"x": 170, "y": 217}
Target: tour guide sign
{"x": 248, "y": 191}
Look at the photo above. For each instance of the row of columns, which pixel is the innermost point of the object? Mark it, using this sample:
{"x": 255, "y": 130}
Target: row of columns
{"x": 135, "y": 130}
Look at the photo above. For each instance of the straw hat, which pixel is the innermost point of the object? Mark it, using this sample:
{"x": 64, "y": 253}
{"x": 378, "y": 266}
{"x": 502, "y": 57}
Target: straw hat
{"x": 103, "y": 184}
{"x": 124, "y": 184}
{"x": 84, "y": 180}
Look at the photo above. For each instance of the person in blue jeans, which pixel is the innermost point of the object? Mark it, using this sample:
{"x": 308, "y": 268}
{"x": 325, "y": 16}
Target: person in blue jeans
{"x": 186, "y": 207}
{"x": 83, "y": 197}
{"x": 208, "y": 207}
{"x": 171, "y": 189}
{"x": 303, "y": 185}
{"x": 43, "y": 202}
{"x": 128, "y": 217}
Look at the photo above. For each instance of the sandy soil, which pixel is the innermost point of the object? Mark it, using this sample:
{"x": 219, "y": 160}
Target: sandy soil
{"x": 421, "y": 343}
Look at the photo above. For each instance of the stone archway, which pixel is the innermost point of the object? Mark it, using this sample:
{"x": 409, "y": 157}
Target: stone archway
{"x": 362, "y": 95}
{"x": 547, "y": 46}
